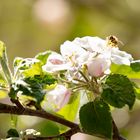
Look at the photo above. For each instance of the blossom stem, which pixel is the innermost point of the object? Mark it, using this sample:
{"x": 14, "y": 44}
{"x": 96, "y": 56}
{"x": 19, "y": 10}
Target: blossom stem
{"x": 87, "y": 80}
{"x": 79, "y": 80}
{"x": 78, "y": 87}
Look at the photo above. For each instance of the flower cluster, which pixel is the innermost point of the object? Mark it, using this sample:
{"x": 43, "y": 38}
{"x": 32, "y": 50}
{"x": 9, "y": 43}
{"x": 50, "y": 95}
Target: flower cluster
{"x": 93, "y": 52}
{"x": 83, "y": 62}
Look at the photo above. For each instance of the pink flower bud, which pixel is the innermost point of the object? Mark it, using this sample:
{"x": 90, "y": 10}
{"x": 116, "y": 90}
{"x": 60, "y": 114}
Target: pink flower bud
{"x": 57, "y": 98}
{"x": 98, "y": 66}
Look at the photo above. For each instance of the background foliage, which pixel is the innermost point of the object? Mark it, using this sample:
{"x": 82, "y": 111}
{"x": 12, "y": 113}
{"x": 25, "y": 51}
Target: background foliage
{"x": 31, "y": 26}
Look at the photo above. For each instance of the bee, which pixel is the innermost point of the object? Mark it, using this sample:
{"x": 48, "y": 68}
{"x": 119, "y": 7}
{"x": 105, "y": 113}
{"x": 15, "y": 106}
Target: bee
{"x": 113, "y": 41}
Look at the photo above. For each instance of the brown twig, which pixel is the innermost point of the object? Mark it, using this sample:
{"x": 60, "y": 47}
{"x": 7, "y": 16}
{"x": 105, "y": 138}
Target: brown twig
{"x": 4, "y": 108}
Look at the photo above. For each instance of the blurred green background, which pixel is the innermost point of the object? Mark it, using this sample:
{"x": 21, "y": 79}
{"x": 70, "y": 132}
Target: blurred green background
{"x": 31, "y": 26}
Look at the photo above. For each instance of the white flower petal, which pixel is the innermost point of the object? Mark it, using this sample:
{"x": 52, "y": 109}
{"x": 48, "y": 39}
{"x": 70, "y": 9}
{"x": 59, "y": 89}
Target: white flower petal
{"x": 95, "y": 44}
{"x": 120, "y": 57}
{"x": 69, "y": 49}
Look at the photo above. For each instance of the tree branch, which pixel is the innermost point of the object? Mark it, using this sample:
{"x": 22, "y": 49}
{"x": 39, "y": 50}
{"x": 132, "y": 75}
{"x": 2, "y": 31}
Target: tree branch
{"x": 4, "y": 108}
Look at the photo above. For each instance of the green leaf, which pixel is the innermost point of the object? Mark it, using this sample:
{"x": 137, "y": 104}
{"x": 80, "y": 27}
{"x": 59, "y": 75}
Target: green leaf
{"x": 44, "y": 79}
{"x": 35, "y": 69}
{"x": 43, "y": 57}
{"x": 137, "y": 90}
{"x": 4, "y": 63}
{"x": 17, "y": 61}
{"x": 126, "y": 70}
{"x": 29, "y": 92}
{"x": 48, "y": 128}
{"x": 12, "y": 133}
{"x": 119, "y": 91}
{"x": 3, "y": 82}
{"x": 135, "y": 65}
{"x": 3, "y": 85}
{"x": 3, "y": 94}
{"x": 2, "y": 49}
{"x": 24, "y": 63}
{"x": 137, "y": 93}
{"x": 95, "y": 118}
{"x": 27, "y": 67}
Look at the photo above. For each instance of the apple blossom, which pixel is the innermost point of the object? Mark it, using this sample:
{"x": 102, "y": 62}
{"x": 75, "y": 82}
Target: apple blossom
{"x": 56, "y": 98}
{"x": 75, "y": 54}
{"x": 86, "y": 50}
